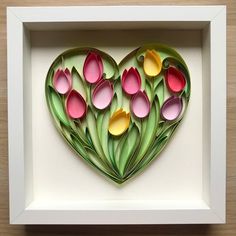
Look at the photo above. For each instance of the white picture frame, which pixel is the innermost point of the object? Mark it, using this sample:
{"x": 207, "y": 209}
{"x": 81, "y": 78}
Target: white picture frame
{"x": 22, "y": 20}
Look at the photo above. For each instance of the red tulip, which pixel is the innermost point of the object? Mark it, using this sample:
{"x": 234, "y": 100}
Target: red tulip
{"x": 75, "y": 105}
{"x": 175, "y": 80}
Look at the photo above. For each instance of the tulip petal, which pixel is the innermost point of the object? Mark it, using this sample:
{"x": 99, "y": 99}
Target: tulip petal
{"x": 62, "y": 81}
{"x": 119, "y": 122}
{"x": 131, "y": 81}
{"x": 171, "y": 108}
{"x": 75, "y": 105}
{"x": 175, "y": 80}
{"x": 102, "y": 95}
{"x": 140, "y": 104}
{"x": 152, "y": 63}
{"x": 93, "y": 68}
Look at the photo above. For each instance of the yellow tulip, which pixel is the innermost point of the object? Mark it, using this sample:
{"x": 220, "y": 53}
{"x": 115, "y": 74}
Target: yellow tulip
{"x": 152, "y": 63}
{"x": 119, "y": 122}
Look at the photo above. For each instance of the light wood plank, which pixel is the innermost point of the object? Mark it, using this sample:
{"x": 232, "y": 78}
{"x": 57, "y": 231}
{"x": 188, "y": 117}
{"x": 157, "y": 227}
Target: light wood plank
{"x": 228, "y": 229}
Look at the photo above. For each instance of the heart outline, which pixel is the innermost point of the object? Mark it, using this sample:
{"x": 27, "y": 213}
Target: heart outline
{"x": 77, "y": 138}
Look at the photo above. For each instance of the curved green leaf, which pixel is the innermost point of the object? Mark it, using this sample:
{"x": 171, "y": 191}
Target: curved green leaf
{"x": 114, "y": 103}
{"x": 104, "y": 134}
{"x": 94, "y": 160}
{"x": 56, "y": 104}
{"x": 99, "y": 124}
{"x": 118, "y": 91}
{"x": 79, "y": 147}
{"x": 149, "y": 90}
{"x": 158, "y": 79}
{"x": 118, "y": 148}
{"x": 92, "y": 128}
{"x": 130, "y": 145}
{"x": 159, "y": 91}
{"x": 148, "y": 134}
{"x": 77, "y": 83}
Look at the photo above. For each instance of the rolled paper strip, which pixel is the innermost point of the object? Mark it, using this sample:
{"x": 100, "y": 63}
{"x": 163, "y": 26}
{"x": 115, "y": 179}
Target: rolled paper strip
{"x": 75, "y": 105}
{"x": 165, "y": 63}
{"x": 171, "y": 108}
{"x": 131, "y": 81}
{"x": 175, "y": 80}
{"x": 62, "y": 81}
{"x": 152, "y": 63}
{"x": 93, "y": 68}
{"x": 102, "y": 94}
{"x": 119, "y": 122}
{"x": 140, "y": 104}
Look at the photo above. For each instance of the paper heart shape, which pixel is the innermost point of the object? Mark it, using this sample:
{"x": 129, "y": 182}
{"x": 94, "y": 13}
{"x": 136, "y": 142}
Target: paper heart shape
{"x": 118, "y": 117}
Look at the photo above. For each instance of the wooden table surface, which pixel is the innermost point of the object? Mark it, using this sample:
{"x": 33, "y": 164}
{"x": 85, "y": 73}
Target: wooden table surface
{"x": 227, "y": 229}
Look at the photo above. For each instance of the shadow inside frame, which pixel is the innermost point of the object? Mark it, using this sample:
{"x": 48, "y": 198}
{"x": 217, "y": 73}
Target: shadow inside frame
{"x": 114, "y": 230}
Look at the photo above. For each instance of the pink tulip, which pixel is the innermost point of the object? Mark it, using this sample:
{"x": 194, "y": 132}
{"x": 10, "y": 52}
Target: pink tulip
{"x": 93, "y": 68}
{"x": 62, "y": 81}
{"x": 140, "y": 104}
{"x": 131, "y": 81}
{"x": 102, "y": 94}
{"x": 171, "y": 108}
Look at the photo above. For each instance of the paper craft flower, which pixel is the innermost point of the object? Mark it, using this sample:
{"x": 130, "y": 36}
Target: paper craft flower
{"x": 171, "y": 108}
{"x": 119, "y": 122}
{"x": 152, "y": 63}
{"x": 93, "y": 68}
{"x": 131, "y": 81}
{"x": 62, "y": 81}
{"x": 175, "y": 80}
{"x": 102, "y": 94}
{"x": 140, "y": 104}
{"x": 75, "y": 105}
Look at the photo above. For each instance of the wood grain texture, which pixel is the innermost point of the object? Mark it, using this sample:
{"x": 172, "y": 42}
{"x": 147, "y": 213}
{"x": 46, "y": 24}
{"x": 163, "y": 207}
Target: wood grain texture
{"x": 227, "y": 229}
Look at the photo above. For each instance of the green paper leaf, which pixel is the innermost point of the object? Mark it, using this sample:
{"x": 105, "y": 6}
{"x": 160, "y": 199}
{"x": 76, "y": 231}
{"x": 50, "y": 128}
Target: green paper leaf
{"x": 154, "y": 152}
{"x": 158, "y": 145}
{"x": 104, "y": 134}
{"x": 89, "y": 138}
{"x": 57, "y": 106}
{"x": 99, "y": 124}
{"x": 118, "y": 91}
{"x": 78, "y": 83}
{"x": 114, "y": 103}
{"x": 149, "y": 90}
{"x": 94, "y": 159}
{"x": 158, "y": 79}
{"x": 128, "y": 148}
{"x": 168, "y": 130}
{"x": 149, "y": 125}
{"x": 111, "y": 150}
{"x": 92, "y": 128}
{"x": 66, "y": 132}
{"x": 118, "y": 148}
{"x": 159, "y": 91}
{"x": 79, "y": 146}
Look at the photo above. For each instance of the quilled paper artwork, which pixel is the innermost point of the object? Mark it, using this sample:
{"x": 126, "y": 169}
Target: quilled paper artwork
{"x": 118, "y": 117}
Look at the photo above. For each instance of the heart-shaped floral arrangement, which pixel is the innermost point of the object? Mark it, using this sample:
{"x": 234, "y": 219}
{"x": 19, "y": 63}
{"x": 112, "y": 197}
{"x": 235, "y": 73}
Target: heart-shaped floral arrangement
{"x": 118, "y": 117}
